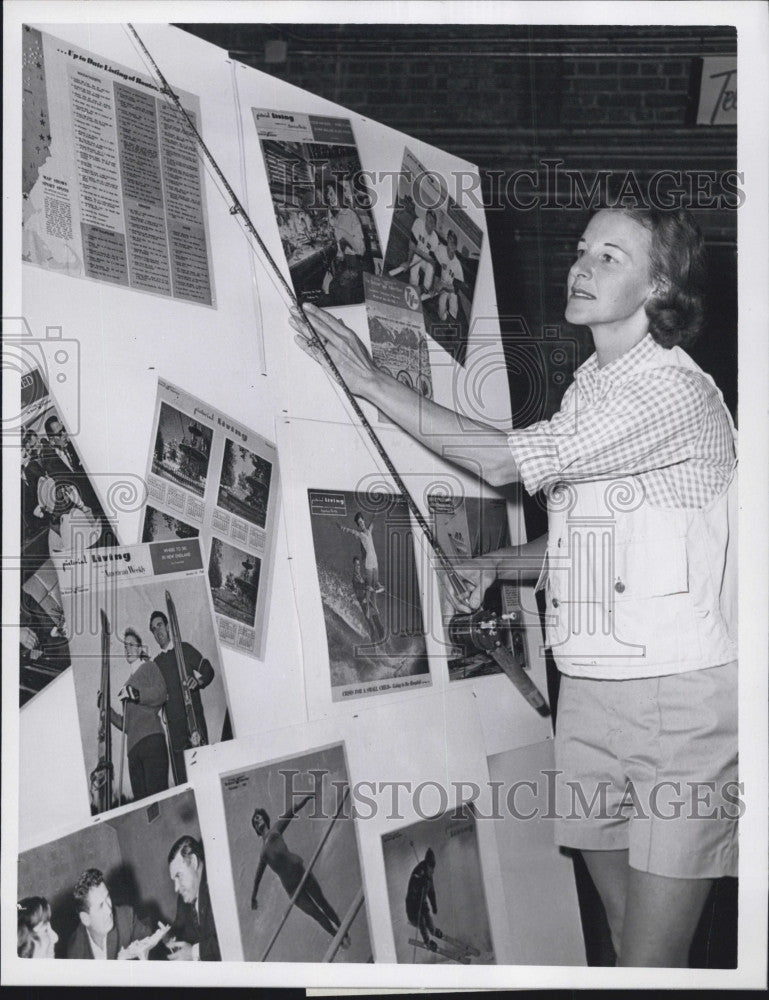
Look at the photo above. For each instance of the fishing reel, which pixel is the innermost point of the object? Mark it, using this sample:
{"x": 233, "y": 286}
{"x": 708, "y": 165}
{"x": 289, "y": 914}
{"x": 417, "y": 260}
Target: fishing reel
{"x": 499, "y": 636}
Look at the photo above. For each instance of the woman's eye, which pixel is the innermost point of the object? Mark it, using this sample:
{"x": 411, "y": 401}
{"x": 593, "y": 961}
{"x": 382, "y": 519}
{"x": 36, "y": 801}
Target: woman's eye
{"x": 580, "y": 252}
{"x": 606, "y": 257}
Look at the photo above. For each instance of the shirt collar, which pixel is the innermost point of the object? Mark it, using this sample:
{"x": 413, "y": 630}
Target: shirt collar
{"x": 645, "y": 350}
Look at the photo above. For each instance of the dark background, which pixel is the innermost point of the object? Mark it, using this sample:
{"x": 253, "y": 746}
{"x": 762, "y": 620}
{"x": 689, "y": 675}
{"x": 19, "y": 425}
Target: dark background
{"x": 507, "y": 98}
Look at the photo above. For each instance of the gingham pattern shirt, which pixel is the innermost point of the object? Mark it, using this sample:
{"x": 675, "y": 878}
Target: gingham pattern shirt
{"x": 666, "y": 426}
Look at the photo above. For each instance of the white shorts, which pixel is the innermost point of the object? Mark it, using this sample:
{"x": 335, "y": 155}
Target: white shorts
{"x": 650, "y": 766}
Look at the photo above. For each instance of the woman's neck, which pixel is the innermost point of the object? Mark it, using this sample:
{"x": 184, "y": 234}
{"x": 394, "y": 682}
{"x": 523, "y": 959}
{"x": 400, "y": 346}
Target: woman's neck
{"x": 612, "y": 341}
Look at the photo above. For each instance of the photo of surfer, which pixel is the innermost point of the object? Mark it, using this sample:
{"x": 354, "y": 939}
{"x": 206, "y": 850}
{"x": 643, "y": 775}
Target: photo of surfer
{"x": 364, "y": 554}
{"x": 295, "y": 863}
{"x": 435, "y": 890}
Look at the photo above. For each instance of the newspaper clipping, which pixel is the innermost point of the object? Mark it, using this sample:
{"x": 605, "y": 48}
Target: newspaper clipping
{"x": 111, "y": 180}
{"x": 292, "y": 840}
{"x": 435, "y": 247}
{"x": 364, "y": 554}
{"x": 322, "y": 205}
{"x": 208, "y": 475}
{"x": 435, "y": 889}
{"x": 108, "y": 890}
{"x": 60, "y": 513}
{"x": 148, "y": 675}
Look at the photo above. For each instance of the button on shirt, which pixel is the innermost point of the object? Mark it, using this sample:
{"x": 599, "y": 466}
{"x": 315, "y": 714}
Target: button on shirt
{"x": 667, "y": 426}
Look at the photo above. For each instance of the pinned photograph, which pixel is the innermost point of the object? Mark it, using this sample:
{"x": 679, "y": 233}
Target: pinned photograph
{"x": 364, "y": 554}
{"x": 212, "y": 477}
{"x": 322, "y": 205}
{"x": 397, "y": 332}
{"x": 148, "y": 674}
{"x": 129, "y": 888}
{"x": 467, "y": 527}
{"x": 435, "y": 247}
{"x": 435, "y": 890}
{"x": 295, "y": 862}
{"x": 60, "y": 513}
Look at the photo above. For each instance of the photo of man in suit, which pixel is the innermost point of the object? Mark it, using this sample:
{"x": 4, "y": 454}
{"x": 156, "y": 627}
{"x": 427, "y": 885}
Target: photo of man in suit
{"x": 193, "y": 934}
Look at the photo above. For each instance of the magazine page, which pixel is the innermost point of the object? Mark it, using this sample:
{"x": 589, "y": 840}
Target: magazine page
{"x": 322, "y": 205}
{"x": 61, "y": 512}
{"x": 112, "y": 183}
{"x": 209, "y": 476}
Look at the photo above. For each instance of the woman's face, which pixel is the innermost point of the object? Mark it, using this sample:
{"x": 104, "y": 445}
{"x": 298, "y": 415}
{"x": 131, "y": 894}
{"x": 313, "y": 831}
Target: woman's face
{"x": 45, "y": 938}
{"x": 132, "y": 648}
{"x": 331, "y": 198}
{"x": 610, "y": 281}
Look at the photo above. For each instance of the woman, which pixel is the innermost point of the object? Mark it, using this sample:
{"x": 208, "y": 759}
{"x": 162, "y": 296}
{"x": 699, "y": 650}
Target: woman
{"x": 143, "y": 695}
{"x": 36, "y": 937}
{"x": 638, "y": 466}
{"x": 362, "y": 532}
{"x": 289, "y": 868}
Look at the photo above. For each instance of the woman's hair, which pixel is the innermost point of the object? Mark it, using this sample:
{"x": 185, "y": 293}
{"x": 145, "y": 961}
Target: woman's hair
{"x": 133, "y": 634}
{"x": 30, "y": 911}
{"x": 33, "y": 910}
{"x": 677, "y": 263}
{"x": 264, "y": 814}
{"x": 25, "y": 941}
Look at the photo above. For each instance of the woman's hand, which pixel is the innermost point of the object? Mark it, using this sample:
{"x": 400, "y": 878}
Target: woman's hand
{"x": 477, "y": 575}
{"x": 345, "y": 348}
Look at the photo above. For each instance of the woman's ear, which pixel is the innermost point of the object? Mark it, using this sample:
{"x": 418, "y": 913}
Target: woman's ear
{"x": 661, "y": 288}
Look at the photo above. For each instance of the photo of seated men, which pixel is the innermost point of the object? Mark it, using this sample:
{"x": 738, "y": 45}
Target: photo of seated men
{"x": 133, "y": 888}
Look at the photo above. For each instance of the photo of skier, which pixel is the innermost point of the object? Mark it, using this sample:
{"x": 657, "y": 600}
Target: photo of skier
{"x": 435, "y": 889}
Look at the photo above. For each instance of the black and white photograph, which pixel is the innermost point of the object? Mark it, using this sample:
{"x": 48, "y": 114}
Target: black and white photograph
{"x": 162, "y": 527}
{"x": 140, "y": 703}
{"x": 295, "y": 864}
{"x": 420, "y": 355}
{"x": 244, "y": 483}
{"x": 129, "y": 888}
{"x": 60, "y": 512}
{"x": 322, "y": 205}
{"x": 435, "y": 247}
{"x": 397, "y": 332}
{"x": 364, "y": 557}
{"x": 182, "y": 450}
{"x": 233, "y": 576}
{"x": 435, "y": 890}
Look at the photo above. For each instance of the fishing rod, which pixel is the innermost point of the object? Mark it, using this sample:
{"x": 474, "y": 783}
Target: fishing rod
{"x": 237, "y": 209}
{"x": 469, "y": 627}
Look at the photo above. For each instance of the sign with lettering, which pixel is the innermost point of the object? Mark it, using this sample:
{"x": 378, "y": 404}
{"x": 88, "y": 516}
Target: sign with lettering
{"x": 718, "y": 91}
